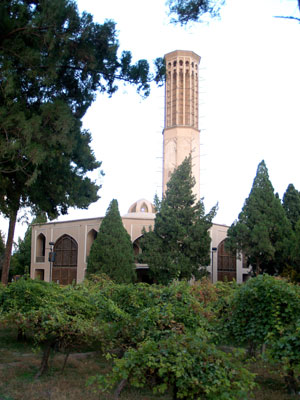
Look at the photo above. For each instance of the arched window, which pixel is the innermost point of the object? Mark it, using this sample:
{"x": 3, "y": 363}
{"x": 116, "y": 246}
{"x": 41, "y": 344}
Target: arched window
{"x": 40, "y": 248}
{"x": 91, "y": 236}
{"x": 65, "y": 264}
{"x": 226, "y": 263}
{"x": 136, "y": 248}
{"x": 144, "y": 208}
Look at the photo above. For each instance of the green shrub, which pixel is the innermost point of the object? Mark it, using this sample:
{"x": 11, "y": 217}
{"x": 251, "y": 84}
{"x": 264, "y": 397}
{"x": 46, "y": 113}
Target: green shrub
{"x": 261, "y": 306}
{"x": 188, "y": 364}
{"x": 285, "y": 350}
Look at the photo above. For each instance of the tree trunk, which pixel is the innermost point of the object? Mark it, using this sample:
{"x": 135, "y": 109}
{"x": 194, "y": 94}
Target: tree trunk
{"x": 44, "y": 364}
{"x": 175, "y": 390}
{"x": 257, "y": 272}
{"x": 119, "y": 388}
{"x": 8, "y": 248}
{"x": 21, "y": 337}
{"x": 291, "y": 382}
{"x": 251, "y": 350}
{"x": 65, "y": 362}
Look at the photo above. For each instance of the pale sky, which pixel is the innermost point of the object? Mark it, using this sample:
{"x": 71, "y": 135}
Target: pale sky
{"x": 249, "y": 104}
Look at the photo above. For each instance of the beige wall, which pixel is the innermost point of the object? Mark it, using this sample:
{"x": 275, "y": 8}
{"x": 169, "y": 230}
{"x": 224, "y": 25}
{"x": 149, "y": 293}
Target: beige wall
{"x": 179, "y": 143}
{"x": 218, "y": 233}
{"x": 81, "y": 231}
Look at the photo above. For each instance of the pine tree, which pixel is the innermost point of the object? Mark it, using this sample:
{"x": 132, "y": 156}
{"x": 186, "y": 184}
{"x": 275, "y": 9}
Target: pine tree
{"x": 52, "y": 63}
{"x": 179, "y": 244}
{"x": 112, "y": 251}
{"x": 262, "y": 231}
{"x": 291, "y": 204}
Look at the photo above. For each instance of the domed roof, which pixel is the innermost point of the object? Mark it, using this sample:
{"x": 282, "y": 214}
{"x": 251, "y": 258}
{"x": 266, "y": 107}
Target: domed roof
{"x": 141, "y": 209}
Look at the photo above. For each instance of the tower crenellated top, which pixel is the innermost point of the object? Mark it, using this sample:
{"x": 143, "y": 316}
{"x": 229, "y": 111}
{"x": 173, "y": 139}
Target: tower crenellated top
{"x": 182, "y": 89}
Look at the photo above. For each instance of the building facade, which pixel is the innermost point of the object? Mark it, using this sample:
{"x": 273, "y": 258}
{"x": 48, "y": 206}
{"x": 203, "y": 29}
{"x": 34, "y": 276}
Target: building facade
{"x": 71, "y": 242}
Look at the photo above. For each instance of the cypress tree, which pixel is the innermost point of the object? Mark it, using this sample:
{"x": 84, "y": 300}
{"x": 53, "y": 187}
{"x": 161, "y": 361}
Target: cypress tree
{"x": 112, "y": 252}
{"x": 262, "y": 231}
{"x": 179, "y": 244}
{"x": 291, "y": 204}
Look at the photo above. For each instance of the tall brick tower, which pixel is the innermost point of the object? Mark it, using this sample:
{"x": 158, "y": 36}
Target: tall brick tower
{"x": 181, "y": 130}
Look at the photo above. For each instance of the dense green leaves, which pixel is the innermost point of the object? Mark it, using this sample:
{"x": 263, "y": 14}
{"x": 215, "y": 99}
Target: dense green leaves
{"x": 112, "y": 251}
{"x": 178, "y": 247}
{"x": 54, "y": 317}
{"x": 291, "y": 204}
{"x": 262, "y": 306}
{"x": 186, "y": 363}
{"x": 285, "y": 351}
{"x": 262, "y": 231}
{"x": 164, "y": 337}
{"x": 52, "y": 62}
{"x": 167, "y": 343}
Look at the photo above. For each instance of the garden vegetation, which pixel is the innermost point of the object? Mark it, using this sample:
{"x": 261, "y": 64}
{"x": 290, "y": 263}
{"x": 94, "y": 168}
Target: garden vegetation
{"x": 187, "y": 341}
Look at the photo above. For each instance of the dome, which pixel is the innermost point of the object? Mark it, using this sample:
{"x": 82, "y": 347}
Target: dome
{"x": 141, "y": 209}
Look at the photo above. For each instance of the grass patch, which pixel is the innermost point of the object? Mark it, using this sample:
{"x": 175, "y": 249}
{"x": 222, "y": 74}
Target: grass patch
{"x": 270, "y": 383}
{"x": 20, "y": 384}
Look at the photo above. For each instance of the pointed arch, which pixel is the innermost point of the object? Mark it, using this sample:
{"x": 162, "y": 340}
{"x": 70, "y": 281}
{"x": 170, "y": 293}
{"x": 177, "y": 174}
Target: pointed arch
{"x": 40, "y": 248}
{"x": 136, "y": 248}
{"x": 65, "y": 264}
{"x": 144, "y": 208}
{"x": 91, "y": 236}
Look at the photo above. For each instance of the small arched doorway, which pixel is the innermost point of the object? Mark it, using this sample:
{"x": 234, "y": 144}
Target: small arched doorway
{"x": 40, "y": 248}
{"x": 65, "y": 264}
{"x": 226, "y": 264}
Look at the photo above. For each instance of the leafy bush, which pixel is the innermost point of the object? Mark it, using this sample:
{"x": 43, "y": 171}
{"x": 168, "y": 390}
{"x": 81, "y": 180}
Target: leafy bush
{"x": 186, "y": 363}
{"x": 55, "y": 317}
{"x": 164, "y": 336}
{"x": 261, "y": 306}
{"x": 285, "y": 350}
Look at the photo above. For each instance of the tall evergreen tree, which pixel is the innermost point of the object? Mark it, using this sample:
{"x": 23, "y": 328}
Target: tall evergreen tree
{"x": 52, "y": 63}
{"x": 112, "y": 251}
{"x": 291, "y": 204}
{"x": 262, "y": 231}
{"x": 179, "y": 244}
{"x": 292, "y": 270}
